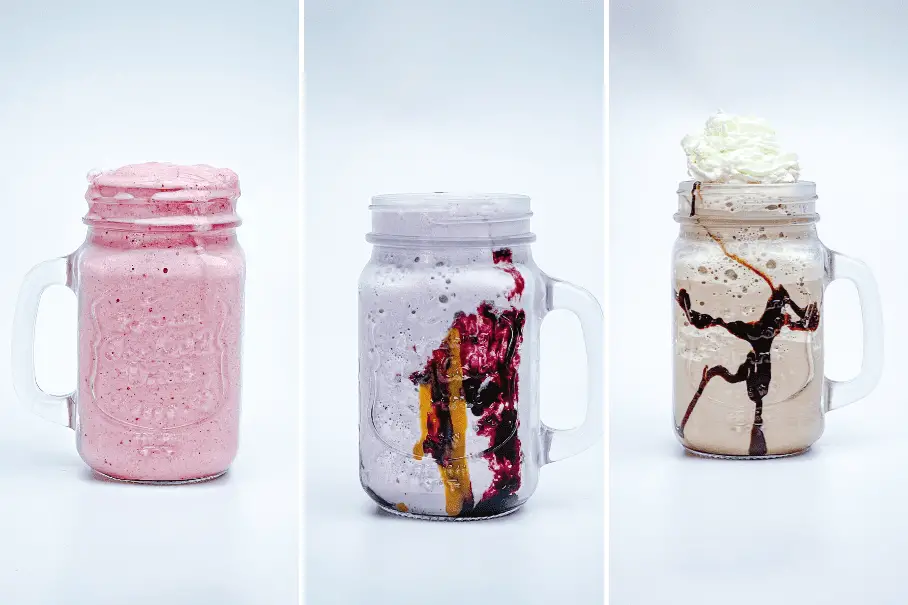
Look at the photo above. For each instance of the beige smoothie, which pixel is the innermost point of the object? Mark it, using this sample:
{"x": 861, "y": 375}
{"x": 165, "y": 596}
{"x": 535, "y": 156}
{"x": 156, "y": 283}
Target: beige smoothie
{"x": 748, "y": 278}
{"x": 746, "y": 337}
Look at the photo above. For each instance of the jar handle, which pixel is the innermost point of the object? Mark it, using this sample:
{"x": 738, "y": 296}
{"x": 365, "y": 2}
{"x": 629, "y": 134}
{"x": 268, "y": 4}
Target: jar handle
{"x": 56, "y": 408}
{"x": 559, "y": 444}
{"x": 840, "y": 394}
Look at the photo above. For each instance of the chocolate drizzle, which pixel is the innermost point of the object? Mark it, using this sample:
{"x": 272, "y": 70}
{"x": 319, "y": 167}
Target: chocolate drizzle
{"x": 475, "y": 368}
{"x": 756, "y": 370}
{"x": 693, "y": 198}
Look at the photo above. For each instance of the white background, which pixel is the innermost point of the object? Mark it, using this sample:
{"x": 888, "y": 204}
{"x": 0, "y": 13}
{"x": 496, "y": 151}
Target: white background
{"x": 828, "y": 527}
{"x": 433, "y": 95}
{"x": 96, "y": 85}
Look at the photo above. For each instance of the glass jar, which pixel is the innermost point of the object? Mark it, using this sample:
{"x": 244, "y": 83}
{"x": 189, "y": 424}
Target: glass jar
{"x": 749, "y": 274}
{"x": 450, "y": 309}
{"x": 159, "y": 282}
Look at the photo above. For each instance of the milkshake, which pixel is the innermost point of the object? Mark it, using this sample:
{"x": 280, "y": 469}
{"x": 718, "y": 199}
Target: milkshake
{"x": 442, "y": 369}
{"x": 450, "y": 306}
{"x": 749, "y": 273}
{"x": 160, "y": 290}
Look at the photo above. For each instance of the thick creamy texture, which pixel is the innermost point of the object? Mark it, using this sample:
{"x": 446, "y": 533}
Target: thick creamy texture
{"x": 160, "y": 195}
{"x": 719, "y": 286}
{"x": 160, "y": 325}
{"x": 163, "y": 182}
{"x": 738, "y": 149}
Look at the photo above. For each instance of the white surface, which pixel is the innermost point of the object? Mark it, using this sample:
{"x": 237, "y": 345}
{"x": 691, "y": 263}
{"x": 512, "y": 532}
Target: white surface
{"x": 449, "y": 96}
{"x": 829, "y": 527}
{"x": 100, "y": 84}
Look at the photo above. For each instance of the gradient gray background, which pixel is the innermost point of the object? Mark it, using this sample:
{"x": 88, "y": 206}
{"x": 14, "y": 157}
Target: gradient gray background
{"x": 97, "y": 84}
{"x": 430, "y": 95}
{"x": 828, "y": 527}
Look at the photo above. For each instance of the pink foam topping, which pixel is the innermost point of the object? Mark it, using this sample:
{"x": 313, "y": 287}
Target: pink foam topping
{"x": 143, "y": 192}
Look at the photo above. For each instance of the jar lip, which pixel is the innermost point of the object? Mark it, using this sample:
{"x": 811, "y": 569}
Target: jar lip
{"x": 798, "y": 191}
{"x": 746, "y": 201}
{"x": 162, "y": 197}
{"x": 413, "y": 202}
{"x": 448, "y": 218}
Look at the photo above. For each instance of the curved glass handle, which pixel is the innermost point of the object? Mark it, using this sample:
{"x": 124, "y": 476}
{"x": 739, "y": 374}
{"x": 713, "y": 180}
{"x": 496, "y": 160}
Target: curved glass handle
{"x": 840, "y": 394}
{"x": 59, "y": 409}
{"x": 559, "y": 444}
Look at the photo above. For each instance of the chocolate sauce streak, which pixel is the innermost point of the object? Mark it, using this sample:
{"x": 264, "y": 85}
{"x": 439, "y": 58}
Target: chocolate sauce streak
{"x": 475, "y": 369}
{"x": 693, "y": 198}
{"x": 756, "y": 371}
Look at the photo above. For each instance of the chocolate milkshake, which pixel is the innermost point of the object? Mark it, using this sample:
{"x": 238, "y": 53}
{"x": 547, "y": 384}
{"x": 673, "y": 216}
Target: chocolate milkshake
{"x": 748, "y": 278}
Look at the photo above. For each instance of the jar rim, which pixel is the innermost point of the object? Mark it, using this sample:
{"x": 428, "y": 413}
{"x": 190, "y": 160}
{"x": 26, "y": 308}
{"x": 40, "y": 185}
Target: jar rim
{"x": 441, "y": 199}
{"x": 800, "y": 191}
{"x": 159, "y": 196}
{"x": 746, "y": 201}
{"x": 448, "y": 218}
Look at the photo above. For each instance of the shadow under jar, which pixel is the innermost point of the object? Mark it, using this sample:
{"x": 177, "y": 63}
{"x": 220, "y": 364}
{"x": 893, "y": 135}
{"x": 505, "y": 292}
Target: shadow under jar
{"x": 159, "y": 281}
{"x": 749, "y": 272}
{"x": 450, "y": 305}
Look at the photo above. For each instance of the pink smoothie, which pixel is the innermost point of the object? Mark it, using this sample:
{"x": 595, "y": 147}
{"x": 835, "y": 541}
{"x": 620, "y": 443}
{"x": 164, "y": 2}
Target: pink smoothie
{"x": 160, "y": 281}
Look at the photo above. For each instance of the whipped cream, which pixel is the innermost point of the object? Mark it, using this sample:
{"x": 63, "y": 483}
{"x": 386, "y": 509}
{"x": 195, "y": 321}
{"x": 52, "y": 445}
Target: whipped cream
{"x": 738, "y": 149}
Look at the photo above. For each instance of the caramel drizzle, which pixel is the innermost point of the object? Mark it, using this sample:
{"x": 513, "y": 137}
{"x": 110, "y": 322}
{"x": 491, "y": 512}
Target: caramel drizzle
{"x": 693, "y": 204}
{"x": 740, "y": 260}
{"x": 455, "y": 473}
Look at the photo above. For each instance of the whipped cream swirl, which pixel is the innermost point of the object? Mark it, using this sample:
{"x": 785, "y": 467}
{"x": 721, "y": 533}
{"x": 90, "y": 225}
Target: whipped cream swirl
{"x": 738, "y": 149}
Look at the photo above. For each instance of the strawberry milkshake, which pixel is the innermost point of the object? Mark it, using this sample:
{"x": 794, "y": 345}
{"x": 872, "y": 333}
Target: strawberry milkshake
{"x": 160, "y": 288}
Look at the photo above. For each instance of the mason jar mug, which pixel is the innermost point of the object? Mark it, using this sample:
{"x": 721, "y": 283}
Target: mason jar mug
{"x": 748, "y": 274}
{"x": 451, "y": 304}
{"x": 159, "y": 282}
